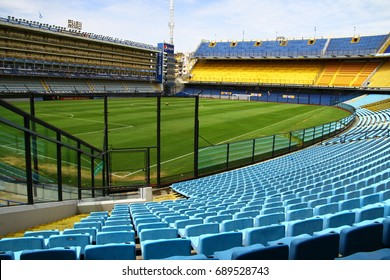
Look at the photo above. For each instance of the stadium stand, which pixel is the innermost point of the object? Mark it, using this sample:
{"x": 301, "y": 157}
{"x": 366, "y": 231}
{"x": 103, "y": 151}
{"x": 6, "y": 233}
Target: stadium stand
{"x": 325, "y": 196}
{"x": 41, "y": 58}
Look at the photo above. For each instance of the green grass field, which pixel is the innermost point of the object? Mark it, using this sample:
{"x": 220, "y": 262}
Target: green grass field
{"x": 132, "y": 123}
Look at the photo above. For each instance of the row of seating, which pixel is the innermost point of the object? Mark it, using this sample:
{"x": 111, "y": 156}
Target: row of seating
{"x": 292, "y": 48}
{"x": 78, "y": 85}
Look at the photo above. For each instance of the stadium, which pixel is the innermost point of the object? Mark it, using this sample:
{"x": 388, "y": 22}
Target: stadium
{"x": 266, "y": 150}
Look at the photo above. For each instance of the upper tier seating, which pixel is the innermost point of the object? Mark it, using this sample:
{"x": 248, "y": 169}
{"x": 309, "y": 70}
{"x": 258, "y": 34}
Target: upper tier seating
{"x": 350, "y": 46}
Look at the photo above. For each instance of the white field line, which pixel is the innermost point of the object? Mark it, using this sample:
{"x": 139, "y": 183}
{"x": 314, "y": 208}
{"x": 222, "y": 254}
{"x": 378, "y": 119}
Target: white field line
{"x": 71, "y": 116}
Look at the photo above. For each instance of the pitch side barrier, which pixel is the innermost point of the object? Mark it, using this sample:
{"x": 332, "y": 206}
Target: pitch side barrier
{"x": 42, "y": 163}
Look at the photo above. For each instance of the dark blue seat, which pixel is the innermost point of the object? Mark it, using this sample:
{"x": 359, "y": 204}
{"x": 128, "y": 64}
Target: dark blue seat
{"x": 365, "y": 238}
{"x": 276, "y": 252}
{"x": 65, "y": 253}
{"x": 323, "y": 247}
{"x": 111, "y": 251}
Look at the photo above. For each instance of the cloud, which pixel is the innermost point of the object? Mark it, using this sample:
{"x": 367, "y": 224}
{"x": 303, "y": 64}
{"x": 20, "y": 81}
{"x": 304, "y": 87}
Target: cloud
{"x": 146, "y": 21}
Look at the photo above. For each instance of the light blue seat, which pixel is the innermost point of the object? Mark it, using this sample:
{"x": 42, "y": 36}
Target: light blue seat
{"x": 316, "y": 202}
{"x": 173, "y": 219}
{"x": 141, "y": 227}
{"x": 353, "y": 194}
{"x": 349, "y": 204}
{"x": 299, "y": 214}
{"x": 336, "y": 198}
{"x": 18, "y": 244}
{"x": 369, "y": 199}
{"x": 91, "y": 231}
{"x": 123, "y": 222}
{"x": 370, "y": 212}
{"x": 111, "y": 251}
{"x": 115, "y": 237}
{"x": 149, "y": 220}
{"x": 297, "y": 206}
{"x": 280, "y": 209}
{"x": 71, "y": 240}
{"x": 344, "y": 218}
{"x": 205, "y": 215}
{"x": 273, "y": 205}
{"x": 99, "y": 213}
{"x": 227, "y": 212}
{"x": 181, "y": 224}
{"x": 228, "y": 254}
{"x": 196, "y": 230}
{"x": 236, "y": 224}
{"x": 117, "y": 228}
{"x": 158, "y": 233}
{"x": 207, "y": 244}
{"x": 308, "y": 226}
{"x": 326, "y": 209}
{"x": 251, "y": 208}
{"x": 384, "y": 195}
{"x": 192, "y": 212}
{"x": 292, "y": 201}
{"x": 246, "y": 214}
{"x": 43, "y": 233}
{"x": 100, "y": 219}
{"x": 269, "y": 219}
{"x": 96, "y": 224}
{"x": 218, "y": 218}
{"x": 263, "y": 234}
{"x": 59, "y": 253}
{"x": 164, "y": 248}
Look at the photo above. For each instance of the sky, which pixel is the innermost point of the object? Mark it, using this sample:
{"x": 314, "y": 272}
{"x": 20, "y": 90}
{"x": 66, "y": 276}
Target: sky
{"x": 146, "y": 21}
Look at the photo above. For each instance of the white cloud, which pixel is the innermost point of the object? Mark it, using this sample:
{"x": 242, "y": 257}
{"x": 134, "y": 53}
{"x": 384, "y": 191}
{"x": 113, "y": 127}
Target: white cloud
{"x": 147, "y": 20}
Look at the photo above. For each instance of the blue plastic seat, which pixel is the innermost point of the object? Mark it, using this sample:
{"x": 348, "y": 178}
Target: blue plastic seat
{"x": 111, "y": 251}
{"x": 308, "y": 226}
{"x": 43, "y": 233}
{"x": 263, "y": 234}
{"x": 196, "y": 230}
{"x": 269, "y": 219}
{"x": 158, "y": 233}
{"x": 323, "y": 247}
{"x": 164, "y": 248}
{"x": 275, "y": 252}
{"x": 18, "y": 244}
{"x": 91, "y": 231}
{"x": 65, "y": 253}
{"x": 344, "y": 218}
{"x": 228, "y": 254}
{"x": 380, "y": 254}
{"x": 299, "y": 214}
{"x": 370, "y": 212}
{"x": 115, "y": 237}
{"x": 117, "y": 228}
{"x": 361, "y": 239}
{"x": 7, "y": 255}
{"x": 236, "y": 224}
{"x": 207, "y": 244}
{"x": 71, "y": 240}
{"x": 96, "y": 224}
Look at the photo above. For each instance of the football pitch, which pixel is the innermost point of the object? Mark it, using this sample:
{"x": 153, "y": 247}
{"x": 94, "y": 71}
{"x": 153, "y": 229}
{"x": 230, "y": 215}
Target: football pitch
{"x": 133, "y": 123}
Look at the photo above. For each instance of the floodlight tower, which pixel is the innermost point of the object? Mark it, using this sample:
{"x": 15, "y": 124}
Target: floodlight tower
{"x": 171, "y": 23}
